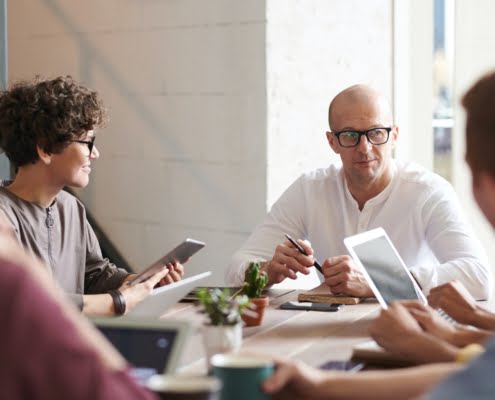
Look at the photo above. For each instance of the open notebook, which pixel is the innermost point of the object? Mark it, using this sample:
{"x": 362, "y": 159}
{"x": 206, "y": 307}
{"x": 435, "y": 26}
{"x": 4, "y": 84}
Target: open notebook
{"x": 321, "y": 294}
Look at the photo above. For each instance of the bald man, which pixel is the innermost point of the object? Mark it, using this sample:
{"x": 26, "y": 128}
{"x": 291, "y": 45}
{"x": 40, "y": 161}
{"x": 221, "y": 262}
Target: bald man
{"x": 365, "y": 190}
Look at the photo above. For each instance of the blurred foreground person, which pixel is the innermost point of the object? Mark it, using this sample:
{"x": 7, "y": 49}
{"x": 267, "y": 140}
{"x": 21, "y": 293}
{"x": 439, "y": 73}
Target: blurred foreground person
{"x": 49, "y": 351}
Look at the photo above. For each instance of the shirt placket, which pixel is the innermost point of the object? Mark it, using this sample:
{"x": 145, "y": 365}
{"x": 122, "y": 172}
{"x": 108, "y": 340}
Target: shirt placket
{"x": 364, "y": 218}
{"x": 49, "y": 224}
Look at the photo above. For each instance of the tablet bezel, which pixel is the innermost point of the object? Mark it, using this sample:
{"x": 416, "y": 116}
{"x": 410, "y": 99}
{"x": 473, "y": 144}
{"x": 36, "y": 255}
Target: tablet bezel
{"x": 190, "y": 246}
{"x": 364, "y": 237}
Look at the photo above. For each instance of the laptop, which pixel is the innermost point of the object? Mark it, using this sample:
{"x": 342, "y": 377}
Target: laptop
{"x": 383, "y": 268}
{"x": 165, "y": 297}
{"x": 150, "y": 346}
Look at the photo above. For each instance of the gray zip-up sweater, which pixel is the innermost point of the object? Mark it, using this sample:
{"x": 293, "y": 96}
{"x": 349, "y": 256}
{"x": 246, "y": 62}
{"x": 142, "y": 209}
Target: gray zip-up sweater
{"x": 61, "y": 236}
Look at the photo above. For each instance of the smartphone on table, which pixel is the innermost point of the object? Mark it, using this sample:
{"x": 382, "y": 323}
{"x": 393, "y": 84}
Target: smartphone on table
{"x": 180, "y": 254}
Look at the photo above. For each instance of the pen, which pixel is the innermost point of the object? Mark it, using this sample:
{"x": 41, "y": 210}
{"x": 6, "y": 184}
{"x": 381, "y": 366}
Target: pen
{"x": 301, "y": 250}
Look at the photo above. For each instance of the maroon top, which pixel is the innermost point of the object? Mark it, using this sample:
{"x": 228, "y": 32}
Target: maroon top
{"x": 41, "y": 355}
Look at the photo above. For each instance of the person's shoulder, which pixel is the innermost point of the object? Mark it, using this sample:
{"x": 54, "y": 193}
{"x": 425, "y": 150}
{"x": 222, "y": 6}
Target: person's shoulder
{"x": 4, "y": 194}
{"x": 414, "y": 173}
{"x": 7, "y": 199}
{"x": 12, "y": 273}
{"x": 330, "y": 173}
{"x": 15, "y": 281}
{"x": 68, "y": 201}
{"x": 65, "y": 197}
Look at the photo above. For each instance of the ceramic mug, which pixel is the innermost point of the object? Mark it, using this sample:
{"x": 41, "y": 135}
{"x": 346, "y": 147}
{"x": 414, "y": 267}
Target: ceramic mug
{"x": 241, "y": 375}
{"x": 184, "y": 387}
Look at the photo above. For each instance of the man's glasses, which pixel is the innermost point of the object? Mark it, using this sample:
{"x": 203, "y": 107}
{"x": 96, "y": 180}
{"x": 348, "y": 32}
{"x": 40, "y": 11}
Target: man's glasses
{"x": 352, "y": 138}
{"x": 89, "y": 143}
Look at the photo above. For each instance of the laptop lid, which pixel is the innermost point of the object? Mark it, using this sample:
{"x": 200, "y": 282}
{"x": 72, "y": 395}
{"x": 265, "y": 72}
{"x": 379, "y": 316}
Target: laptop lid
{"x": 383, "y": 268}
{"x": 150, "y": 346}
{"x": 165, "y": 297}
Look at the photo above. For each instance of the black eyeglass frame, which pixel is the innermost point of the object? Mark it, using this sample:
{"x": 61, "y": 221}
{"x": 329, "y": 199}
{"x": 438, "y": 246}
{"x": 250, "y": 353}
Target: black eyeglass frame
{"x": 89, "y": 143}
{"x": 364, "y": 133}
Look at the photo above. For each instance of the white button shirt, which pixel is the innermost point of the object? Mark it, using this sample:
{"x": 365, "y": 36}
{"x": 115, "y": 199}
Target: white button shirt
{"x": 418, "y": 209}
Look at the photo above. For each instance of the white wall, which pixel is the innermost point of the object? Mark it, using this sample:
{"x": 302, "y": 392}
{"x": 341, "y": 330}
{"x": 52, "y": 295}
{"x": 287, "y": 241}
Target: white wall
{"x": 184, "y": 153}
{"x": 315, "y": 49}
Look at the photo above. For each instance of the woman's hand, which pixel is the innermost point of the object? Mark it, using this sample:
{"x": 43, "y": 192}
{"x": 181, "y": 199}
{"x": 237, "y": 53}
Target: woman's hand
{"x": 431, "y": 321}
{"x": 135, "y": 294}
{"x": 455, "y": 300}
{"x": 175, "y": 274}
{"x": 295, "y": 380}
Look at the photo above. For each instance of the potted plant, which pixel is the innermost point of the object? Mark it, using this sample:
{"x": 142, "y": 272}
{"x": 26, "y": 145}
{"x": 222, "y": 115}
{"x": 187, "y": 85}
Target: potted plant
{"x": 223, "y": 332}
{"x": 255, "y": 281}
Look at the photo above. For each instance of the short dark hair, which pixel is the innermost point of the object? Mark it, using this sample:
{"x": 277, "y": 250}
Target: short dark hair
{"x": 479, "y": 103}
{"x": 46, "y": 113}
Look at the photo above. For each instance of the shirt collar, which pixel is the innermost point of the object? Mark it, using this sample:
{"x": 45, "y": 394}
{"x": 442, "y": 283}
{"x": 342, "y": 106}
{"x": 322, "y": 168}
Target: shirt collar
{"x": 380, "y": 197}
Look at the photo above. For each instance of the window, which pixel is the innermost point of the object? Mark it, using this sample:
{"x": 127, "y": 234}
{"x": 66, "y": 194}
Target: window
{"x": 443, "y": 110}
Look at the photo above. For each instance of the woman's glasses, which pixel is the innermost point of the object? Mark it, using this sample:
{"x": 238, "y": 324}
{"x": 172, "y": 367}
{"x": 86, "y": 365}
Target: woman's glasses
{"x": 90, "y": 143}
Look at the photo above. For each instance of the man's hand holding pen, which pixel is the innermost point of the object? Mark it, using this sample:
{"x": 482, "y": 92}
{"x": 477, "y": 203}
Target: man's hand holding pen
{"x": 288, "y": 260}
{"x": 341, "y": 274}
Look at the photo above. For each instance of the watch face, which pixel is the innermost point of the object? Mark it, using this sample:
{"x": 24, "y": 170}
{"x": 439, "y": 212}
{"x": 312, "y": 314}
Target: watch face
{"x": 350, "y": 366}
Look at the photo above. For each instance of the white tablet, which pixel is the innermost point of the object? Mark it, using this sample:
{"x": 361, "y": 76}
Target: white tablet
{"x": 166, "y": 296}
{"x": 386, "y": 273}
{"x": 181, "y": 254}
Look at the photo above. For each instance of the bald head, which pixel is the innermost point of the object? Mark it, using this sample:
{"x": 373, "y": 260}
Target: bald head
{"x": 359, "y": 101}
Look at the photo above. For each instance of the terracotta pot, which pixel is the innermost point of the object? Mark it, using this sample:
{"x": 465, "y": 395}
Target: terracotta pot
{"x": 257, "y": 306}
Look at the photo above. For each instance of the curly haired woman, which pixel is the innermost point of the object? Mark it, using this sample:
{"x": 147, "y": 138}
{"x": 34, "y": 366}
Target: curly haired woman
{"x": 47, "y": 132}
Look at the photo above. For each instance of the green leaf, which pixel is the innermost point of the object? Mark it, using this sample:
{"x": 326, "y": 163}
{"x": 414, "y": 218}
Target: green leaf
{"x": 221, "y": 306}
{"x": 255, "y": 280}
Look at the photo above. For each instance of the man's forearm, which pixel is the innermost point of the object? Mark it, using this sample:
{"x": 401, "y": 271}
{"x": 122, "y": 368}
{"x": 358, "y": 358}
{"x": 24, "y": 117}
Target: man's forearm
{"x": 463, "y": 337}
{"x": 422, "y": 349}
{"x": 483, "y": 319}
{"x": 434, "y": 350}
{"x": 404, "y": 383}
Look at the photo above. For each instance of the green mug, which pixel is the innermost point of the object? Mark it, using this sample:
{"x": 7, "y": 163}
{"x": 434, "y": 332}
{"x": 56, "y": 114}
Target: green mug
{"x": 241, "y": 375}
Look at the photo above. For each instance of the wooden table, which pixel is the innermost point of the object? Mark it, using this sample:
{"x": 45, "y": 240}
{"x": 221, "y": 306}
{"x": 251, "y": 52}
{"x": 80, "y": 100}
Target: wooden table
{"x": 311, "y": 336}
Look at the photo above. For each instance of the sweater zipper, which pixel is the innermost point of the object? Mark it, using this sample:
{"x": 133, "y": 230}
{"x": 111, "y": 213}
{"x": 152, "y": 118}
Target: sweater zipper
{"x": 49, "y": 224}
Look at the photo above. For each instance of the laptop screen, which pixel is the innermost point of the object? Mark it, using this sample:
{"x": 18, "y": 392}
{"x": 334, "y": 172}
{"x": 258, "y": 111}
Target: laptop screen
{"x": 148, "y": 349}
{"x": 385, "y": 269}
{"x": 151, "y": 346}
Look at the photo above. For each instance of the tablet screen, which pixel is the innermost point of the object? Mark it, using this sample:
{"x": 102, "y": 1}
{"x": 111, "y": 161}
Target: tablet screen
{"x": 148, "y": 350}
{"x": 386, "y": 269}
